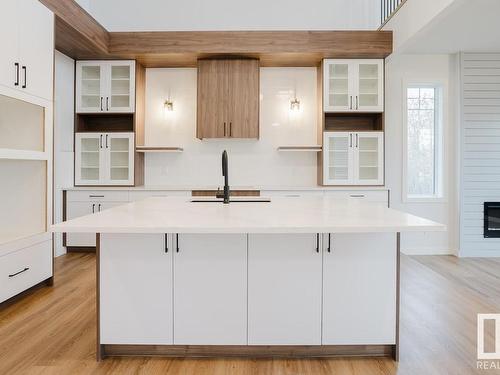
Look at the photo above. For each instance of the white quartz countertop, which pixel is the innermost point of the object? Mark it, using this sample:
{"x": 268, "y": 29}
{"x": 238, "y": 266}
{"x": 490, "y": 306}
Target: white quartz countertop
{"x": 215, "y": 187}
{"x": 281, "y": 215}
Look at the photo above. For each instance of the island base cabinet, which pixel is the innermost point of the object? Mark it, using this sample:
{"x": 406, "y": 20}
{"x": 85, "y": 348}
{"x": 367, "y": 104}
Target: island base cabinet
{"x": 210, "y": 289}
{"x": 359, "y": 289}
{"x": 135, "y": 289}
{"x": 284, "y": 289}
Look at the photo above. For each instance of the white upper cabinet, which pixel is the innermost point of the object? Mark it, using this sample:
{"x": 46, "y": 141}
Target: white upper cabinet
{"x": 353, "y": 85}
{"x": 105, "y": 86}
{"x": 27, "y": 43}
{"x": 104, "y": 159}
{"x": 353, "y": 158}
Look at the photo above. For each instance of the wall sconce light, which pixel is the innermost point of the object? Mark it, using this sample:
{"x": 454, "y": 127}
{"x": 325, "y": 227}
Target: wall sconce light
{"x": 295, "y": 105}
{"x": 168, "y": 106}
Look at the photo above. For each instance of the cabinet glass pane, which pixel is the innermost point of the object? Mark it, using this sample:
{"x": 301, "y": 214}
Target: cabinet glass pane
{"x": 120, "y": 86}
{"x": 338, "y": 85}
{"x": 90, "y": 158}
{"x": 368, "y": 158}
{"x": 26, "y": 216}
{"x": 338, "y": 158}
{"x": 119, "y": 159}
{"x": 91, "y": 86}
{"x": 368, "y": 85}
{"x": 22, "y": 125}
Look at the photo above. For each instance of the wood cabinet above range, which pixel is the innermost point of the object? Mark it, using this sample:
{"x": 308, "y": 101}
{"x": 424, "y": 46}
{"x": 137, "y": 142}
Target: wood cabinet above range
{"x": 228, "y": 98}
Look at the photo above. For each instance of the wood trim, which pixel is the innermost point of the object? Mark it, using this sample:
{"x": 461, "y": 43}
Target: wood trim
{"x": 395, "y": 353}
{"x": 139, "y": 122}
{"x": 258, "y": 351}
{"x": 80, "y": 249}
{"x": 321, "y": 123}
{"x": 99, "y": 347}
{"x": 78, "y": 34}
{"x": 326, "y": 44}
{"x": 233, "y": 193}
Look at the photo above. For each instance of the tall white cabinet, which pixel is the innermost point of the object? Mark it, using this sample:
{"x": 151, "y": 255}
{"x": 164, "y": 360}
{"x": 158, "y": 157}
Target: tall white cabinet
{"x": 105, "y": 86}
{"x": 353, "y": 158}
{"x": 353, "y": 85}
{"x": 27, "y": 44}
{"x": 26, "y": 128}
{"x": 104, "y": 158}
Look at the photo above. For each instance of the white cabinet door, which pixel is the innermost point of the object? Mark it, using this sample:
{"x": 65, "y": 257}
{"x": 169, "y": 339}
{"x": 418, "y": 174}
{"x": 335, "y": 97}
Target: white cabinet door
{"x": 369, "y": 85}
{"x": 338, "y": 158}
{"x": 210, "y": 289}
{"x": 36, "y": 48}
{"x": 135, "y": 289}
{"x": 90, "y": 159}
{"x": 119, "y": 149}
{"x": 78, "y": 209}
{"x": 369, "y": 159}
{"x": 284, "y": 289}
{"x": 121, "y": 86}
{"x": 359, "y": 289}
{"x": 9, "y": 44}
{"x": 91, "y": 86}
{"x": 337, "y": 85}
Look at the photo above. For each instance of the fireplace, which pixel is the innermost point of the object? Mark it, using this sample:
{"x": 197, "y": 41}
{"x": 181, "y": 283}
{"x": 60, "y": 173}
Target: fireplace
{"x": 491, "y": 219}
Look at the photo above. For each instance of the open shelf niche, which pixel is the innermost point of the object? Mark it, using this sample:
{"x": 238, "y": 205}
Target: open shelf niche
{"x": 353, "y": 122}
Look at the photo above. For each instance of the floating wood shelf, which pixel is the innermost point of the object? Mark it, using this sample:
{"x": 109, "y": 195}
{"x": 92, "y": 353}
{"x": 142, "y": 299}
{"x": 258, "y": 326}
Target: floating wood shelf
{"x": 314, "y": 148}
{"x": 158, "y": 149}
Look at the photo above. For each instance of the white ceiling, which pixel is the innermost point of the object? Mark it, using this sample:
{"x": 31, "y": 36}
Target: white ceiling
{"x": 466, "y": 25}
{"x": 186, "y": 15}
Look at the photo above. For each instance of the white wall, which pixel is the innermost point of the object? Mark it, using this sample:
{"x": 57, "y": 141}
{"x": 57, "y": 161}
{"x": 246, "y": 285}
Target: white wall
{"x": 158, "y": 15}
{"x": 63, "y": 135}
{"x": 424, "y": 69}
{"x": 251, "y": 162}
{"x": 480, "y": 150}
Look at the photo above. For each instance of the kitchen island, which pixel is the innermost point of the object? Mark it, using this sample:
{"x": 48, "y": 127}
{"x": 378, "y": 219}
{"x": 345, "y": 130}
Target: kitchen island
{"x": 291, "y": 277}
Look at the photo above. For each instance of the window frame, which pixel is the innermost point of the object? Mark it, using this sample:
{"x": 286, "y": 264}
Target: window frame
{"x": 439, "y": 134}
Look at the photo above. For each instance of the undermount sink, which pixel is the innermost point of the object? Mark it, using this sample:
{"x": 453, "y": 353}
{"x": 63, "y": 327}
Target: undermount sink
{"x": 220, "y": 200}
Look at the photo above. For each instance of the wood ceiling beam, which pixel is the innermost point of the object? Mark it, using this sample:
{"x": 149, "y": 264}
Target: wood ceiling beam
{"x": 352, "y": 44}
{"x": 77, "y": 33}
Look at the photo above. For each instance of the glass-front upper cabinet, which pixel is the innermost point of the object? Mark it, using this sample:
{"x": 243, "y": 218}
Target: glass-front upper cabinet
{"x": 353, "y": 85}
{"x": 105, "y": 86}
{"x": 369, "y": 155}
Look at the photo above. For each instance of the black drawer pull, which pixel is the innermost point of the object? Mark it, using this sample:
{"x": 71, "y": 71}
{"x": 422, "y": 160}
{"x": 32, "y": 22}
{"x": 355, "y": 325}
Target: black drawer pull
{"x": 177, "y": 242}
{"x": 166, "y": 243}
{"x": 17, "y": 273}
{"x": 357, "y": 195}
{"x": 317, "y": 242}
{"x": 16, "y": 65}
{"x": 96, "y": 196}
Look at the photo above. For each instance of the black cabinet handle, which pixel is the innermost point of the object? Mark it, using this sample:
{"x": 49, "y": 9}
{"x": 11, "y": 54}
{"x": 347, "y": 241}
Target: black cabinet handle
{"x": 356, "y": 140}
{"x": 177, "y": 241}
{"x": 350, "y": 140}
{"x": 101, "y": 103}
{"x": 230, "y": 129}
{"x": 166, "y": 243}
{"x": 100, "y": 141}
{"x": 24, "y": 71}
{"x": 107, "y": 103}
{"x": 106, "y": 141}
{"x": 329, "y": 242}
{"x": 350, "y": 107}
{"x": 93, "y": 208}
{"x": 99, "y": 207}
{"x": 16, "y": 83}
{"x": 357, "y": 106}
{"x": 224, "y": 129}
{"x": 18, "y": 272}
{"x": 317, "y": 242}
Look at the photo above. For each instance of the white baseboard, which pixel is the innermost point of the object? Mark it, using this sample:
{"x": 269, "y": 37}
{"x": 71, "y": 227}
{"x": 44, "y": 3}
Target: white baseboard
{"x": 480, "y": 254}
{"x": 428, "y": 251}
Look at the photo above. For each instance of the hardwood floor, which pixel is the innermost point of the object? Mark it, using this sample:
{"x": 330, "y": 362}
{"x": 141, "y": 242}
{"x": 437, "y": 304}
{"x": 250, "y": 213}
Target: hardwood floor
{"x": 52, "y": 331}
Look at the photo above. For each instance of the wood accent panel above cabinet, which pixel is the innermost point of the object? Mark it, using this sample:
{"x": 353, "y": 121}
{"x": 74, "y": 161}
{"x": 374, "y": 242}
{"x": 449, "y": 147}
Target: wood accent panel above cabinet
{"x": 80, "y": 36}
{"x": 228, "y": 98}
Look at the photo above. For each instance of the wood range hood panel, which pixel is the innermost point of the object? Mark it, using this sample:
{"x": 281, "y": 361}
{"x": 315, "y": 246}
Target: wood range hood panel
{"x": 81, "y": 37}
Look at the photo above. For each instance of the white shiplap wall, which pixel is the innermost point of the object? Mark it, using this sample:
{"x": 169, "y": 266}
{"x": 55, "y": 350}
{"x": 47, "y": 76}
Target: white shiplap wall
{"x": 480, "y": 149}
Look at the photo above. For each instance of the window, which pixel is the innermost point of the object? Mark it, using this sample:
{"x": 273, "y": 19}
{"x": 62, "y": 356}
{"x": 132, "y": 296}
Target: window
{"x": 423, "y": 142}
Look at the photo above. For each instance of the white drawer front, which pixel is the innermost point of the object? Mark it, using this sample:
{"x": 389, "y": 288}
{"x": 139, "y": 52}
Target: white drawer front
{"x": 24, "y": 268}
{"x": 140, "y": 195}
{"x": 381, "y": 196}
{"x": 97, "y": 195}
{"x": 290, "y": 193}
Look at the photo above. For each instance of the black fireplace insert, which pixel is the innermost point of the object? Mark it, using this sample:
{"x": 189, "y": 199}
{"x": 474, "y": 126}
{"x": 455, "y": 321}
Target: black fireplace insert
{"x": 491, "y": 219}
